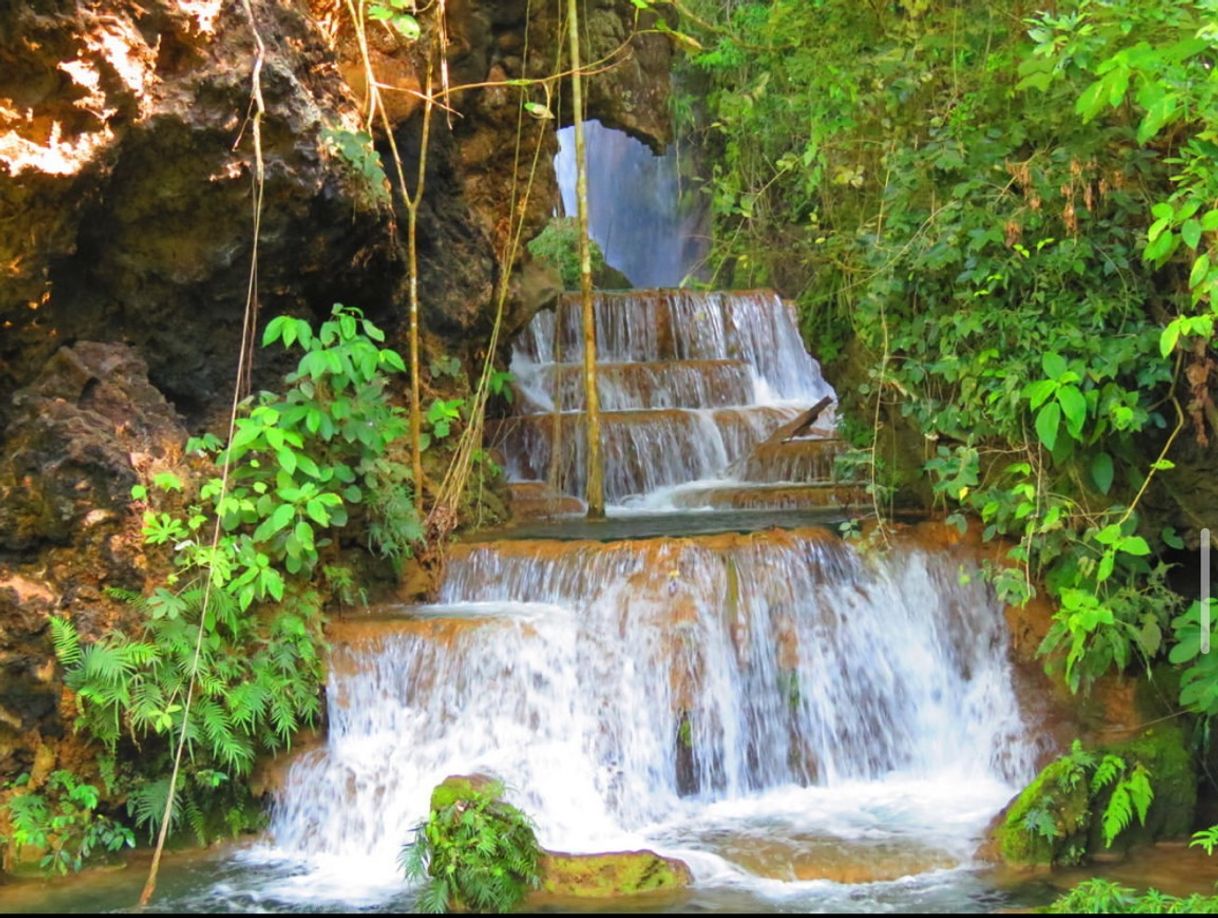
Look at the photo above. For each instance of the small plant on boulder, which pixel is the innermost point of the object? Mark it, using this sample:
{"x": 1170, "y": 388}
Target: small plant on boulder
{"x": 475, "y": 851}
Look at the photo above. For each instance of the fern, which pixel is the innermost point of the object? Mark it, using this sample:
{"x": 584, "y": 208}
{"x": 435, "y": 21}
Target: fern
{"x": 1131, "y": 795}
{"x": 1109, "y": 770}
{"x": 66, "y": 641}
{"x": 1206, "y": 838}
{"x": 1039, "y": 821}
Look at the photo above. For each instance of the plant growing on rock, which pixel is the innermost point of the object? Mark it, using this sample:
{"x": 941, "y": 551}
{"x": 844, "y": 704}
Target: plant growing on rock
{"x": 475, "y": 851}
{"x": 299, "y": 467}
{"x": 61, "y": 820}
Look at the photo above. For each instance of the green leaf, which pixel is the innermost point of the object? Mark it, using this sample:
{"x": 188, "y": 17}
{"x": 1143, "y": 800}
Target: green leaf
{"x": 1134, "y": 545}
{"x": 1200, "y": 271}
{"x": 1102, "y": 472}
{"x": 1162, "y": 211}
{"x": 1047, "y": 422}
{"x": 1054, "y": 364}
{"x": 407, "y": 26}
{"x": 1158, "y": 114}
{"x": 274, "y": 330}
{"x": 1190, "y": 232}
{"x": 1074, "y": 406}
{"x": 1107, "y": 562}
{"x": 1171, "y": 334}
{"x": 1091, "y": 100}
{"x": 283, "y": 515}
{"x": 1036, "y": 393}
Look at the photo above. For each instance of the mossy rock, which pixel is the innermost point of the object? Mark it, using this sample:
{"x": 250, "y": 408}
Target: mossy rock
{"x": 1162, "y": 750}
{"x": 610, "y": 876}
{"x": 1051, "y": 793}
{"x": 458, "y": 787}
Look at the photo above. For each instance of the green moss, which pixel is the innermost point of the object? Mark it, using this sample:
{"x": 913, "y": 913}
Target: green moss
{"x": 1052, "y": 803}
{"x": 1057, "y": 818}
{"x": 457, "y": 787}
{"x": 607, "y": 876}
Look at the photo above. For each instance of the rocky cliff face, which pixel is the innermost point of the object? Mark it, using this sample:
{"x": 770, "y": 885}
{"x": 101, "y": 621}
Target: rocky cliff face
{"x": 126, "y": 165}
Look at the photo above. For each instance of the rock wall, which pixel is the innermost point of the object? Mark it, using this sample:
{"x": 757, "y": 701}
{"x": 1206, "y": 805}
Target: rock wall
{"x": 126, "y": 166}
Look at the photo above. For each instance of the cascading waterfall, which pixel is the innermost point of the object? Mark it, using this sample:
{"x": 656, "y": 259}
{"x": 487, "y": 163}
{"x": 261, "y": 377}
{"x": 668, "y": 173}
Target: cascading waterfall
{"x": 689, "y": 383}
{"x": 625, "y": 690}
{"x": 775, "y": 708}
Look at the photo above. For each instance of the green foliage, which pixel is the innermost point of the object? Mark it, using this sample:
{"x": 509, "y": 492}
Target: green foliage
{"x": 475, "y": 852}
{"x": 1105, "y": 897}
{"x": 1206, "y": 838}
{"x": 62, "y": 822}
{"x": 1199, "y": 682}
{"x": 357, "y": 152}
{"x": 558, "y": 245}
{"x": 440, "y": 417}
{"x": 1055, "y": 812}
{"x": 300, "y": 467}
{"x": 394, "y": 14}
{"x": 1001, "y": 230}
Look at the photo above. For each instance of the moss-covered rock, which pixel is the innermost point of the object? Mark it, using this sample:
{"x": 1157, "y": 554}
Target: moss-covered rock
{"x": 612, "y": 875}
{"x": 1057, "y": 819}
{"x": 1056, "y": 798}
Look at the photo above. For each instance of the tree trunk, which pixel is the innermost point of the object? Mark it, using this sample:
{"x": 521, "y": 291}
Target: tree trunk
{"x": 595, "y": 473}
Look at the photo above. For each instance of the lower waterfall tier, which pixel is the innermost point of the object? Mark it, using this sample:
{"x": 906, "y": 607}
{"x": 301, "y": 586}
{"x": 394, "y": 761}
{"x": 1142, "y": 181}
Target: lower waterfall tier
{"x": 628, "y": 692}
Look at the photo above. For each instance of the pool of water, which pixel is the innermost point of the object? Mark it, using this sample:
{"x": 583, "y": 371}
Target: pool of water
{"x": 241, "y": 877}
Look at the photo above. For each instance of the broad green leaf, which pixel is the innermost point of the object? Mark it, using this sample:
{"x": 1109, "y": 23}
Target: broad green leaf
{"x": 1037, "y": 392}
{"x": 1190, "y": 232}
{"x": 1047, "y": 422}
{"x": 1134, "y": 545}
{"x": 1171, "y": 334}
{"x": 1201, "y": 270}
{"x": 1074, "y": 407}
{"x": 1054, "y": 364}
{"x": 1102, "y": 472}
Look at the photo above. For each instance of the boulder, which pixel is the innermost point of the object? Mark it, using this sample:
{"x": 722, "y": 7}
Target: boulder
{"x": 1057, "y": 819}
{"x": 614, "y": 875}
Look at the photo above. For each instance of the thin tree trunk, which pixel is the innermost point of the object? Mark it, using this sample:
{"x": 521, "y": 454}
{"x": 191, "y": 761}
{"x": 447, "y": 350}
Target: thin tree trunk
{"x": 595, "y": 472}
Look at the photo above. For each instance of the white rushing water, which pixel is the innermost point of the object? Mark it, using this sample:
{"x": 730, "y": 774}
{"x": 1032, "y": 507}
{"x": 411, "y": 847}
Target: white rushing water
{"x": 689, "y": 383}
{"x": 700, "y": 696}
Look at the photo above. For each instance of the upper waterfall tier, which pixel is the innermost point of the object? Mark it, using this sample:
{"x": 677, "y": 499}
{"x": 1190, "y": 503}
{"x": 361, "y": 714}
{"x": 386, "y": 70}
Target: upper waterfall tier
{"x": 691, "y": 383}
{"x": 663, "y": 325}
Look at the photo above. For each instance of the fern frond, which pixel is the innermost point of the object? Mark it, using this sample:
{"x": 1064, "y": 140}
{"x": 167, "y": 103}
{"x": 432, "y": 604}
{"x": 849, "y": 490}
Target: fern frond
{"x": 65, "y": 640}
{"x": 1110, "y": 768}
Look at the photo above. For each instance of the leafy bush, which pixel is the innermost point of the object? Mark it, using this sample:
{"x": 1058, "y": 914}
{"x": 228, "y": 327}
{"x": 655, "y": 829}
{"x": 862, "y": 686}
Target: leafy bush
{"x": 299, "y": 466}
{"x": 558, "y": 245}
{"x": 475, "y": 851}
{"x": 1009, "y": 239}
{"x": 1104, "y": 897}
{"x": 1050, "y": 821}
{"x": 62, "y": 822}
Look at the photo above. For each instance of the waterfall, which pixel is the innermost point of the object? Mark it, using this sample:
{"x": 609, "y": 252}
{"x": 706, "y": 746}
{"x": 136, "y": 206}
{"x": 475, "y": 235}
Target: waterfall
{"x": 634, "y": 206}
{"x": 774, "y": 707}
{"x": 690, "y": 382}
{"x": 629, "y": 692}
